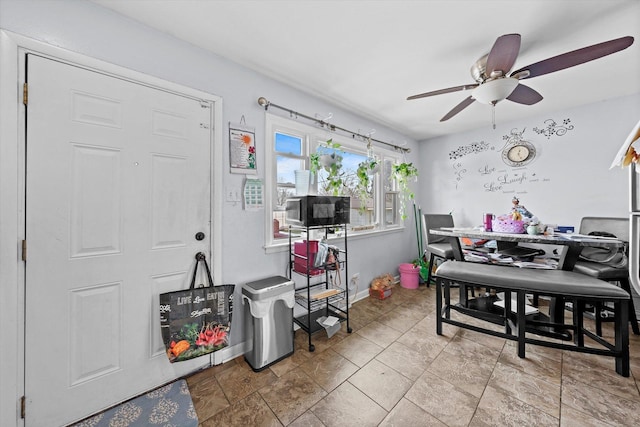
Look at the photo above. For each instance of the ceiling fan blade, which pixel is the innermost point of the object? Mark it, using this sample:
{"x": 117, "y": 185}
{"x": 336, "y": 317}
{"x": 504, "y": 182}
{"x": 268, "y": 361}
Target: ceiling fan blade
{"x": 503, "y": 54}
{"x": 464, "y": 104}
{"x": 524, "y": 95}
{"x": 443, "y": 91}
{"x": 575, "y": 57}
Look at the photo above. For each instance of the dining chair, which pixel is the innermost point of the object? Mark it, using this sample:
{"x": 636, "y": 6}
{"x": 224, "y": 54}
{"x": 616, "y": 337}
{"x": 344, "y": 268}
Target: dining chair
{"x": 437, "y": 246}
{"x": 619, "y": 227}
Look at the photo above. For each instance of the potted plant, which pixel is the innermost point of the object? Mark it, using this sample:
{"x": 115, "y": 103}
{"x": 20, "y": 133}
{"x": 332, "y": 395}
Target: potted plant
{"x": 403, "y": 173}
{"x": 364, "y": 172}
{"x": 328, "y": 157}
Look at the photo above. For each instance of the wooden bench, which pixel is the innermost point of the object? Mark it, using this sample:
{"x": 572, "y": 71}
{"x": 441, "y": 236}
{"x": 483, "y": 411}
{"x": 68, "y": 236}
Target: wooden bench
{"x": 564, "y": 285}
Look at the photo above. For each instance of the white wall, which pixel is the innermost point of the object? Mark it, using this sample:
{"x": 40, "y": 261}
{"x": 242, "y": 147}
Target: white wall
{"x": 569, "y": 178}
{"x": 88, "y": 29}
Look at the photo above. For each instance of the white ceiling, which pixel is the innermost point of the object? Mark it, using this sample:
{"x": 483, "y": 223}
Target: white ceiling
{"x": 369, "y": 55}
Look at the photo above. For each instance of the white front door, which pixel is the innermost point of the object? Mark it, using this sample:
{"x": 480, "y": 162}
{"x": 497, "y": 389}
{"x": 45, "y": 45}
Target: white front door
{"x": 118, "y": 178}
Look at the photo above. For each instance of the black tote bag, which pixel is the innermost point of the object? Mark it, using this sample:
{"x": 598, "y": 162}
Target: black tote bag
{"x": 196, "y": 321}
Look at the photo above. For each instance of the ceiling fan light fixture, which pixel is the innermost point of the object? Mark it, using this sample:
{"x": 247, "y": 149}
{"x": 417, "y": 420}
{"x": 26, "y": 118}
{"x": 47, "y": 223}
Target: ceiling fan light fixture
{"x": 493, "y": 91}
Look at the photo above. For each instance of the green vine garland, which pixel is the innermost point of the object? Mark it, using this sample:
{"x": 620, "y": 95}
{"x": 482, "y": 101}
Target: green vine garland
{"x": 402, "y": 174}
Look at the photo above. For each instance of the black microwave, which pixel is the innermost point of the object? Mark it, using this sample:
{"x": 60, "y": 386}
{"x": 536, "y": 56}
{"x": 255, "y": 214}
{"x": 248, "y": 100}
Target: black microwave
{"x": 311, "y": 211}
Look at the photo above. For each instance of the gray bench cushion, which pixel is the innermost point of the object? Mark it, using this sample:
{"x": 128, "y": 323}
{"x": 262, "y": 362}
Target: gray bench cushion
{"x": 443, "y": 250}
{"x": 549, "y": 282}
{"x": 601, "y": 271}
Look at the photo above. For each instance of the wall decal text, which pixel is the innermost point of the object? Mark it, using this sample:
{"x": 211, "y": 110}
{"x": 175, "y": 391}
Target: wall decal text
{"x": 554, "y": 128}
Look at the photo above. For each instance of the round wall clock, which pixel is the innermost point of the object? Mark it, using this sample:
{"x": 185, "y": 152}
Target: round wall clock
{"x": 518, "y": 153}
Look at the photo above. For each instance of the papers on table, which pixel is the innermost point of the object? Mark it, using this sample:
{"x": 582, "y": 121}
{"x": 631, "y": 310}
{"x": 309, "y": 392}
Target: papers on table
{"x": 539, "y": 262}
{"x": 579, "y": 237}
{"x": 528, "y": 308}
{"x": 459, "y": 228}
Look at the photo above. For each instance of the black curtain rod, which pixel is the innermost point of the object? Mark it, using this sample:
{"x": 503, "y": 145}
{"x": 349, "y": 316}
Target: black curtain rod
{"x": 263, "y": 102}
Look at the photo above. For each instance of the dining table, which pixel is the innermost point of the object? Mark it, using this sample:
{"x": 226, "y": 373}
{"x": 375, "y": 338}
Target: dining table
{"x": 570, "y": 245}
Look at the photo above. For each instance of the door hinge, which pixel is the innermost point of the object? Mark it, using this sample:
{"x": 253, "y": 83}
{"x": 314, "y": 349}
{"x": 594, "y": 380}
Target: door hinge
{"x": 22, "y": 406}
{"x": 25, "y": 93}
{"x": 24, "y": 250}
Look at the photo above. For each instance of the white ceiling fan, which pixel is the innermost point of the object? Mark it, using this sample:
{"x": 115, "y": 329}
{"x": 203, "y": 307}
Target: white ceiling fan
{"x": 495, "y": 82}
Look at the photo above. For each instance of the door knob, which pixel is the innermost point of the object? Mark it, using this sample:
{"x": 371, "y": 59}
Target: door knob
{"x": 200, "y": 235}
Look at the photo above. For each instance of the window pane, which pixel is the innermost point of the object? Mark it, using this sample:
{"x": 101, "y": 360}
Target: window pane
{"x": 348, "y": 174}
{"x": 285, "y": 167}
{"x": 279, "y": 225}
{"x": 288, "y": 144}
{"x": 387, "y": 182}
{"x": 390, "y": 194}
{"x": 362, "y": 211}
{"x": 282, "y": 193}
{"x": 390, "y": 208}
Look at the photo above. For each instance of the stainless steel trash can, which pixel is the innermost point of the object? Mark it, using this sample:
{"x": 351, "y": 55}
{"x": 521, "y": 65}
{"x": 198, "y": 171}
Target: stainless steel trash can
{"x": 268, "y": 319}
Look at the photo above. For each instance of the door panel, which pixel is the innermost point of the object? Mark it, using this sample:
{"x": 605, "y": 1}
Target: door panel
{"x": 95, "y": 203}
{"x": 118, "y": 184}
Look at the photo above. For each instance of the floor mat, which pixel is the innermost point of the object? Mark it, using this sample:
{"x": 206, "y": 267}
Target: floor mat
{"x": 170, "y": 405}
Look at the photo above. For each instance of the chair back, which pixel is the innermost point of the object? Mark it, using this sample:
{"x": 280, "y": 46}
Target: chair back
{"x": 619, "y": 227}
{"x": 430, "y": 221}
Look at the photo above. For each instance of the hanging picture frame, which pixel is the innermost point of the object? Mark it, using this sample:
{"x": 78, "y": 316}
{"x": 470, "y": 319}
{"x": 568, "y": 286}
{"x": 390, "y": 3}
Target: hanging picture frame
{"x": 242, "y": 148}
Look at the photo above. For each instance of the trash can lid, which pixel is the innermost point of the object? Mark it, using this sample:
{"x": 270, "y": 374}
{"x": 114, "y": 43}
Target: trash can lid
{"x": 267, "y": 288}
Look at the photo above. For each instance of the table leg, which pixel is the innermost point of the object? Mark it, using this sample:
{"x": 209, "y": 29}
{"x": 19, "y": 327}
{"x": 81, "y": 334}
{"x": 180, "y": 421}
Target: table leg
{"x": 568, "y": 257}
{"x": 457, "y": 248}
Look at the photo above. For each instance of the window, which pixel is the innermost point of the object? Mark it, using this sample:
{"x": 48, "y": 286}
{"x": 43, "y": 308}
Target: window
{"x": 289, "y": 144}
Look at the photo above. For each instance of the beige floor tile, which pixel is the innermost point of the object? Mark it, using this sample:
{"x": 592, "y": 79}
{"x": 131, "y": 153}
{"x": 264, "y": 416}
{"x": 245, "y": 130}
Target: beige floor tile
{"x": 240, "y": 381}
{"x": 496, "y": 343}
{"x": 381, "y": 383}
{"x": 210, "y": 372}
{"x": 379, "y": 333}
{"x": 346, "y": 405}
{"x": 250, "y": 411}
{"x": 319, "y": 340}
{"x": 308, "y": 419}
{"x": 329, "y": 369}
{"x": 600, "y": 404}
{"x": 428, "y": 345}
{"x": 547, "y": 352}
{"x": 500, "y": 408}
{"x": 527, "y": 388}
{"x": 532, "y": 364}
{"x": 394, "y": 370}
{"x": 486, "y": 354}
{"x": 429, "y": 324}
{"x": 407, "y": 361}
{"x": 357, "y": 349}
{"x": 573, "y": 418}
{"x": 292, "y": 395}
{"x": 380, "y": 307}
{"x": 207, "y": 396}
{"x": 466, "y": 371}
{"x": 407, "y": 414}
{"x": 401, "y": 320}
{"x": 289, "y": 363}
{"x": 424, "y": 306}
{"x": 592, "y": 369}
{"x": 442, "y": 400}
{"x": 361, "y": 312}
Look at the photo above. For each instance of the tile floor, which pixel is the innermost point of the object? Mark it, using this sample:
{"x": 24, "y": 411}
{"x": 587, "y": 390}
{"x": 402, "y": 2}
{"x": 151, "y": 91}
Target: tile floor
{"x": 393, "y": 370}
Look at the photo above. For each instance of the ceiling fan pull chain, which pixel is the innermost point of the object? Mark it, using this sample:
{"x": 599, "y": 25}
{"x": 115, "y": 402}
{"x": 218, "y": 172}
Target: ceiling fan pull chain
{"x": 493, "y": 114}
